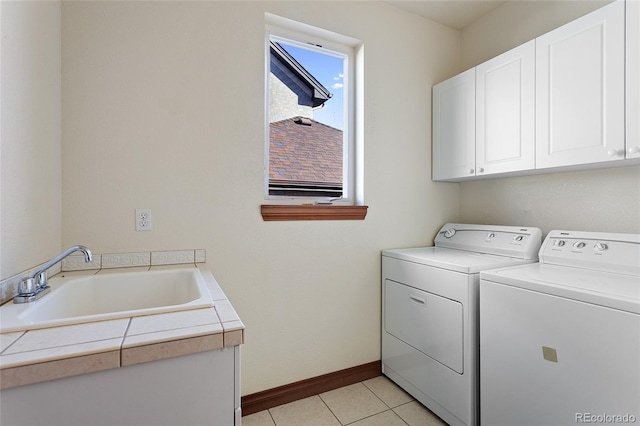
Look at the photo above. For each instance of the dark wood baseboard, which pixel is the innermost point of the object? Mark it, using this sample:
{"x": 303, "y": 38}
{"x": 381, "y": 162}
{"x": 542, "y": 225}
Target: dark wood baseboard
{"x": 292, "y": 392}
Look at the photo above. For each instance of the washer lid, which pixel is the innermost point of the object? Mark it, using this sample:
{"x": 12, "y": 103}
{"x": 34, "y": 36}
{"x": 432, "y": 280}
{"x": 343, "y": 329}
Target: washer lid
{"x": 453, "y": 260}
{"x": 618, "y": 291}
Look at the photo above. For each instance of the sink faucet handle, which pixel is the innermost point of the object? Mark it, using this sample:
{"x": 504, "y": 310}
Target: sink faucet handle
{"x": 27, "y": 286}
{"x": 42, "y": 279}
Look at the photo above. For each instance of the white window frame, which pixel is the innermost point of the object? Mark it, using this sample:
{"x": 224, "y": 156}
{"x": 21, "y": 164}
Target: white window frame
{"x": 308, "y": 37}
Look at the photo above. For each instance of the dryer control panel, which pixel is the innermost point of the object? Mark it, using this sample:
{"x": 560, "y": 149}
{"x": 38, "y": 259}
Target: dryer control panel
{"x": 513, "y": 241}
{"x": 599, "y": 251}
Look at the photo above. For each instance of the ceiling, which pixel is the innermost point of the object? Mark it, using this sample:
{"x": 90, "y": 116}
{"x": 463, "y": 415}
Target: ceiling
{"x": 453, "y": 13}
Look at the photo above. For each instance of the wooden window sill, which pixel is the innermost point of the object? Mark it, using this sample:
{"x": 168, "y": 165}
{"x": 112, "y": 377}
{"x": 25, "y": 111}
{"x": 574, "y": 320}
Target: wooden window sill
{"x": 271, "y": 212}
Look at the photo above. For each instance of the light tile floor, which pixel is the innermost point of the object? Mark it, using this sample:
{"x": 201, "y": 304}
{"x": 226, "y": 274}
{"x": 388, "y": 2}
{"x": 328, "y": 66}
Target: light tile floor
{"x": 374, "y": 402}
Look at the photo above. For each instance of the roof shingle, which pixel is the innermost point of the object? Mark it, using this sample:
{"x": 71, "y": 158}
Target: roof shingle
{"x": 305, "y": 150}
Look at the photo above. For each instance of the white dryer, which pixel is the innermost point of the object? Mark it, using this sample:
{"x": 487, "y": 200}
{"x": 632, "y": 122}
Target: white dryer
{"x": 430, "y": 312}
{"x": 560, "y": 339}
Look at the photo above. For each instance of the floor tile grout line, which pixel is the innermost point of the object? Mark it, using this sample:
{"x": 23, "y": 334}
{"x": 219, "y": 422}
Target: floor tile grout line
{"x": 366, "y": 417}
{"x": 330, "y": 410}
{"x": 271, "y": 416}
{"x": 376, "y": 414}
{"x": 376, "y": 395}
{"x": 389, "y": 408}
{"x": 398, "y": 414}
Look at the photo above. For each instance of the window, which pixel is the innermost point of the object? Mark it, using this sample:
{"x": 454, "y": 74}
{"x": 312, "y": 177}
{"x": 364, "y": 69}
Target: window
{"x": 313, "y": 149}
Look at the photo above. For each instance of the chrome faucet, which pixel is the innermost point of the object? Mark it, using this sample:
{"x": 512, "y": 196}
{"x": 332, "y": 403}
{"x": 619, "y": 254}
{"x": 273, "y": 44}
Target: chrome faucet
{"x": 33, "y": 288}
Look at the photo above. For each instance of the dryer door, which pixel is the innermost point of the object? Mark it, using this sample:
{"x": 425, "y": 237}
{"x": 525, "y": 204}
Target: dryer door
{"x": 430, "y": 323}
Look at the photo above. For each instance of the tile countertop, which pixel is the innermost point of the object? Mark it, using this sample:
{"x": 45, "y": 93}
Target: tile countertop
{"x": 53, "y": 353}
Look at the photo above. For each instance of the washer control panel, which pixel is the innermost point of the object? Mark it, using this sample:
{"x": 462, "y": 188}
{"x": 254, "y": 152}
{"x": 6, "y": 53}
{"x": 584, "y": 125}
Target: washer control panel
{"x": 618, "y": 253}
{"x": 580, "y": 245}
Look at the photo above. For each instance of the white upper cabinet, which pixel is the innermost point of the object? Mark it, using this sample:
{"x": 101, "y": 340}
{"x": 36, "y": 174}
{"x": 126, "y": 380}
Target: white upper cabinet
{"x": 580, "y": 93}
{"x": 454, "y": 127}
{"x": 569, "y": 99}
{"x": 505, "y": 112}
{"x": 633, "y": 79}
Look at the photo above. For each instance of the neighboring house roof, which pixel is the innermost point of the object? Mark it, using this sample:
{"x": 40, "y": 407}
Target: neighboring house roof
{"x": 305, "y": 151}
{"x": 290, "y": 71}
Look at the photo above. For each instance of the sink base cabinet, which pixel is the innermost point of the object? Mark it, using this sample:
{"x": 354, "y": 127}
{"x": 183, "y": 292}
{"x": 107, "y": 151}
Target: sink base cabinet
{"x": 196, "y": 389}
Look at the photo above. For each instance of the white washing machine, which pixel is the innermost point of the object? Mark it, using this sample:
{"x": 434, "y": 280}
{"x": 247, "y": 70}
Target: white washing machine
{"x": 430, "y": 312}
{"x": 560, "y": 339}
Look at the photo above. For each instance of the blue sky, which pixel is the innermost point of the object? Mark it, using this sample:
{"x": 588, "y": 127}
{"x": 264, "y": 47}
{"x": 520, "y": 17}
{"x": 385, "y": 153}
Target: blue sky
{"x": 328, "y": 70}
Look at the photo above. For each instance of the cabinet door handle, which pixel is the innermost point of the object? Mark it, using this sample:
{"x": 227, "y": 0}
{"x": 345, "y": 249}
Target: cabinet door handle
{"x": 419, "y": 300}
{"x": 471, "y": 171}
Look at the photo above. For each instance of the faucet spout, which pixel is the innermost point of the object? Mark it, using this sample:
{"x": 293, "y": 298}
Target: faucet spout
{"x": 31, "y": 289}
{"x": 88, "y": 257}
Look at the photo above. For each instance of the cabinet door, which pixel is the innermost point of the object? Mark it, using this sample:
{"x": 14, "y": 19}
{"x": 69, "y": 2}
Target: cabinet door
{"x": 633, "y": 79}
{"x": 454, "y": 127}
{"x": 580, "y": 90}
{"x": 505, "y": 112}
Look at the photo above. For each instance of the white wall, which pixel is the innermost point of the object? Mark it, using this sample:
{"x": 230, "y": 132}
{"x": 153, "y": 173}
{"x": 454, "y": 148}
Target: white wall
{"x": 516, "y": 22}
{"x": 605, "y": 200}
{"x": 30, "y": 180}
{"x": 163, "y": 107}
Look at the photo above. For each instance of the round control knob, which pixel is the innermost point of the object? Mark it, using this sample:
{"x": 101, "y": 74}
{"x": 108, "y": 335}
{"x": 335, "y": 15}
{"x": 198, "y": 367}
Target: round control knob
{"x": 579, "y": 244}
{"x": 449, "y": 233}
{"x": 559, "y": 243}
{"x": 491, "y": 236}
{"x": 600, "y": 247}
{"x": 518, "y": 238}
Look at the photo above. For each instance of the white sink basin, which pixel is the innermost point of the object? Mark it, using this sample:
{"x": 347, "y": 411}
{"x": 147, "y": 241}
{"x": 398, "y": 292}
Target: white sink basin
{"x": 104, "y": 296}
